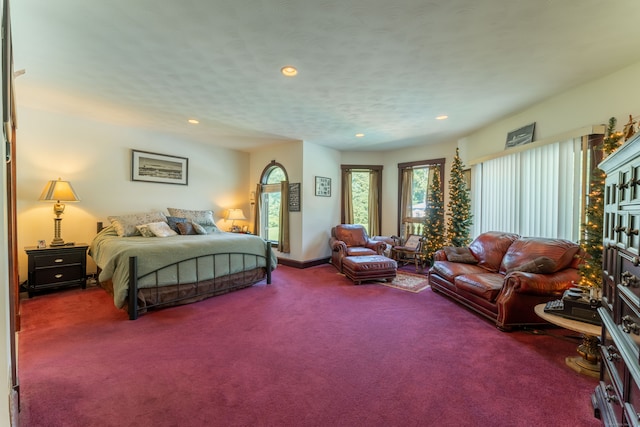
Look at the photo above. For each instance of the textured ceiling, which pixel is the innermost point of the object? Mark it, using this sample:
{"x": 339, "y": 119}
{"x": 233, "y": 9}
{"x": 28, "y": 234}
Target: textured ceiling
{"x": 383, "y": 68}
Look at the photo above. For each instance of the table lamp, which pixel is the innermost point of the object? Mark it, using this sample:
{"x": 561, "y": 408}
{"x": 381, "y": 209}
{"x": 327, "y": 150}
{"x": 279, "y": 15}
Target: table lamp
{"x": 58, "y": 191}
{"x": 233, "y": 215}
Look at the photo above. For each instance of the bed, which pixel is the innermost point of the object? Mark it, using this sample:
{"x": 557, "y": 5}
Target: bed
{"x": 147, "y": 273}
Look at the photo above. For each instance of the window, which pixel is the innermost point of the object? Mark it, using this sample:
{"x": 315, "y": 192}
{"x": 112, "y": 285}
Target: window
{"x": 272, "y": 207}
{"x": 413, "y": 181}
{"x": 538, "y": 192}
{"x": 361, "y": 189}
{"x": 270, "y": 201}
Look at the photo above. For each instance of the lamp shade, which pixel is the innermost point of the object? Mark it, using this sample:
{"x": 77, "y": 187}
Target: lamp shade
{"x": 59, "y": 191}
{"x": 234, "y": 214}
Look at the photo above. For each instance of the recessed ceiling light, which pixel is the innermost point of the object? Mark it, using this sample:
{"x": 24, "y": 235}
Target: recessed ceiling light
{"x": 193, "y": 121}
{"x": 359, "y": 135}
{"x": 289, "y": 71}
{"x": 443, "y": 117}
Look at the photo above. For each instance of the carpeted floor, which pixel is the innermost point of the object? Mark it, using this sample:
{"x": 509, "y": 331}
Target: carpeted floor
{"x": 311, "y": 349}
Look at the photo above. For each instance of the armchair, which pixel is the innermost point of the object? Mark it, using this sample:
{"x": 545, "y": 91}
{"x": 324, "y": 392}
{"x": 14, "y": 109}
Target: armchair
{"x": 352, "y": 240}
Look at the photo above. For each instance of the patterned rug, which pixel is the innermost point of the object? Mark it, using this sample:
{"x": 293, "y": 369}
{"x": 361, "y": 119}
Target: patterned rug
{"x": 408, "y": 282}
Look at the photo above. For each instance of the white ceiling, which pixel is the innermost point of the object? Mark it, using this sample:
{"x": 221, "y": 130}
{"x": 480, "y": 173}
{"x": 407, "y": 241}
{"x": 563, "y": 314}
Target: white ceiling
{"x": 380, "y": 67}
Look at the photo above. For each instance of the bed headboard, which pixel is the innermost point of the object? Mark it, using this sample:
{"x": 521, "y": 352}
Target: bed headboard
{"x": 99, "y": 226}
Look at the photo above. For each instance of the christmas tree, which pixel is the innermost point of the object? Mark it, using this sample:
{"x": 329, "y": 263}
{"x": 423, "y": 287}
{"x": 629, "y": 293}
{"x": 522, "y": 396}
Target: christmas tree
{"x": 459, "y": 218}
{"x": 591, "y": 243}
{"x": 433, "y": 223}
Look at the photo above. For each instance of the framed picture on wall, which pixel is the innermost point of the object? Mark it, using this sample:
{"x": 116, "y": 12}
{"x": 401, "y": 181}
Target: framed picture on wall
{"x": 521, "y": 136}
{"x": 323, "y": 186}
{"x": 156, "y": 167}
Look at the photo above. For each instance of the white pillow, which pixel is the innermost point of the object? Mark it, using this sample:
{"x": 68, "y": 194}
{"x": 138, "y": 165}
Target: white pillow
{"x": 161, "y": 229}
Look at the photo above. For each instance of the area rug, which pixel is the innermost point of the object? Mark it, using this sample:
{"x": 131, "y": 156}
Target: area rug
{"x": 408, "y": 282}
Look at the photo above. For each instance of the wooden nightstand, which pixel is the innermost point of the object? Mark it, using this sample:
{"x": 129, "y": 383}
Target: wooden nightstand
{"x": 53, "y": 267}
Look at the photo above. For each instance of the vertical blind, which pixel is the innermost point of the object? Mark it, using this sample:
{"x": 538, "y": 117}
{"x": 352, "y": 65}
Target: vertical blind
{"x": 532, "y": 193}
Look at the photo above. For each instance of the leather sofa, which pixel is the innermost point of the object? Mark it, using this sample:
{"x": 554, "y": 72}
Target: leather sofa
{"x": 503, "y": 276}
{"x": 352, "y": 240}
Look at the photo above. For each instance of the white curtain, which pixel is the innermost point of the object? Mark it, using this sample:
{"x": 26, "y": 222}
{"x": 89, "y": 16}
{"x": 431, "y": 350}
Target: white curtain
{"x": 535, "y": 192}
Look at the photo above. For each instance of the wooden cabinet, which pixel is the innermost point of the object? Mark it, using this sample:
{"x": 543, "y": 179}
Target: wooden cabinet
{"x": 56, "y": 266}
{"x": 616, "y": 399}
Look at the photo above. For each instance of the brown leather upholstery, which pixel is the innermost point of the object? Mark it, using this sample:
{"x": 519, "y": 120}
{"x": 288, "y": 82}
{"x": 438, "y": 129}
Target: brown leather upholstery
{"x": 361, "y": 268}
{"x": 352, "y": 240}
{"x": 526, "y": 249}
{"x": 489, "y": 248}
{"x": 502, "y": 285}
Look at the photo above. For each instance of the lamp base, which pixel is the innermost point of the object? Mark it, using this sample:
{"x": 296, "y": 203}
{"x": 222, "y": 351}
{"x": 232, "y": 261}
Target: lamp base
{"x": 57, "y": 242}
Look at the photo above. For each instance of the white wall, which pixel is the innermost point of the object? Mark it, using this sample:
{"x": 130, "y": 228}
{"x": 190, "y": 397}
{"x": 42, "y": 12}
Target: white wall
{"x": 616, "y": 95}
{"x": 96, "y": 159}
{"x": 320, "y": 212}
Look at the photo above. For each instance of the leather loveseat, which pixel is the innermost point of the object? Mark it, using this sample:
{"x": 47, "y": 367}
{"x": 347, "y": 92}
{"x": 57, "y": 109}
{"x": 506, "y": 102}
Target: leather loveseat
{"x": 352, "y": 240}
{"x": 503, "y": 276}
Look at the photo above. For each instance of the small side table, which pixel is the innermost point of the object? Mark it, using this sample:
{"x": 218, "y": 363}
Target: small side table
{"x": 56, "y": 266}
{"x": 589, "y": 361}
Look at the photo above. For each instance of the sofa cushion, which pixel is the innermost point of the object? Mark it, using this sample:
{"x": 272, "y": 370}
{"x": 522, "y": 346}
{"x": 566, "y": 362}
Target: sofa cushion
{"x": 360, "y": 251}
{"x": 448, "y": 270}
{"x": 524, "y": 250}
{"x": 459, "y": 254}
{"x": 543, "y": 265}
{"x": 484, "y": 285}
{"x": 489, "y": 248}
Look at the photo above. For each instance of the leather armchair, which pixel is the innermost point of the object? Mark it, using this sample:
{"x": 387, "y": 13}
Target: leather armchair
{"x": 352, "y": 240}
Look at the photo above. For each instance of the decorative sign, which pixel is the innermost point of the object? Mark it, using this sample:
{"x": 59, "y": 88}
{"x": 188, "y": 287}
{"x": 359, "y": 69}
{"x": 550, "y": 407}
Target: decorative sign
{"x": 294, "y": 197}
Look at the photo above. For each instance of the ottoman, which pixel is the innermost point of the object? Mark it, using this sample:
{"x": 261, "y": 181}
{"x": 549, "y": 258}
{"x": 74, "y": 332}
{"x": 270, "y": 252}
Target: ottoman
{"x": 369, "y": 267}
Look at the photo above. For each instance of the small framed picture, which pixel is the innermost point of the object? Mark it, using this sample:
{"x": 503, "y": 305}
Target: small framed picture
{"x": 42, "y": 244}
{"x": 323, "y": 186}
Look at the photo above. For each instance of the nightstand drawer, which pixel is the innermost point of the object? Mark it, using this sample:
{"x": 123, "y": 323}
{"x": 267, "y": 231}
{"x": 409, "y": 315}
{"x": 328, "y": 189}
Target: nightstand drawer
{"x": 54, "y": 267}
{"x": 55, "y": 275}
{"x": 54, "y": 260}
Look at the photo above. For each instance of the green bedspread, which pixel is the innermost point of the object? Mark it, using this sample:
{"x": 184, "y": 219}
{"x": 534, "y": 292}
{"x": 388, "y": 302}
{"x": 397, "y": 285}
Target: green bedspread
{"x": 111, "y": 254}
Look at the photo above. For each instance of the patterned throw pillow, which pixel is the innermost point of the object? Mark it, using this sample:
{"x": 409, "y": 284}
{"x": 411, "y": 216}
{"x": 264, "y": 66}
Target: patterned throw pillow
{"x": 161, "y": 229}
{"x": 125, "y": 225}
{"x": 173, "y": 222}
{"x": 144, "y": 230}
{"x": 202, "y": 217}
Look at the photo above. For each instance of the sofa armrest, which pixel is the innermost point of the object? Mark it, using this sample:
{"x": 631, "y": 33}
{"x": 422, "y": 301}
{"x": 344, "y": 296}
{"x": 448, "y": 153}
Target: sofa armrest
{"x": 553, "y": 284}
{"x": 440, "y": 255}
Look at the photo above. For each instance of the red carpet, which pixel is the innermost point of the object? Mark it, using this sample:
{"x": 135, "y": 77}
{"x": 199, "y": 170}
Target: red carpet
{"x": 309, "y": 350}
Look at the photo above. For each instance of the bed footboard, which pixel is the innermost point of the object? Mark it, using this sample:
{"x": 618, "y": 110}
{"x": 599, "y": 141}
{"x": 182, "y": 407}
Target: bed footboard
{"x": 200, "y": 288}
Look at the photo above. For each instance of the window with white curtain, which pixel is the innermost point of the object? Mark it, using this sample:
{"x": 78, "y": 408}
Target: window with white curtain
{"x": 537, "y": 192}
